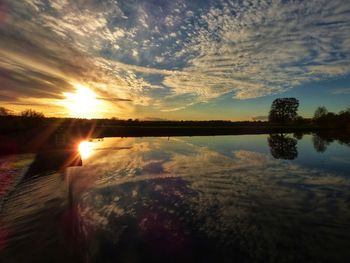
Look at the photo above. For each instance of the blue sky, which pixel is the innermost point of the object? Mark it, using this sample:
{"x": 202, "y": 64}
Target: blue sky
{"x": 175, "y": 59}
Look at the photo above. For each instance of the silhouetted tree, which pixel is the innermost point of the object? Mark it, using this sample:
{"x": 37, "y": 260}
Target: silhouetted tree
{"x": 347, "y": 111}
{"x": 344, "y": 118}
{"x": 330, "y": 120}
{"x": 283, "y": 147}
{"x": 32, "y": 114}
{"x": 299, "y": 120}
{"x": 320, "y": 112}
{"x": 4, "y": 111}
{"x": 283, "y": 110}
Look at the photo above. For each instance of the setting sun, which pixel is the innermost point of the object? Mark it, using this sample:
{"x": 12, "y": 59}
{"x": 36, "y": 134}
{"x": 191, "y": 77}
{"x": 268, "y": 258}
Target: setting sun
{"x": 83, "y": 103}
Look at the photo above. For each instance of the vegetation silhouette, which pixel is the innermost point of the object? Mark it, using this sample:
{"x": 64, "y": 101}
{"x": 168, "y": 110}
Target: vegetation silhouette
{"x": 283, "y": 118}
{"x": 283, "y": 110}
{"x": 32, "y": 114}
{"x": 283, "y": 147}
{"x": 320, "y": 112}
{"x": 329, "y": 120}
{"x": 4, "y": 112}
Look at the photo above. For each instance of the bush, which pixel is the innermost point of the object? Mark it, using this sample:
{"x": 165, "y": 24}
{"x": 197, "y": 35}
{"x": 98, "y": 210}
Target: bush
{"x": 32, "y": 114}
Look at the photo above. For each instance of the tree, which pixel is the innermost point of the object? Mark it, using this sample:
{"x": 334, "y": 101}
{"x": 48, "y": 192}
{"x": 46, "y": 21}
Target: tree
{"x": 320, "y": 112}
{"x": 4, "y": 111}
{"x": 346, "y": 111}
{"x": 32, "y": 114}
{"x": 283, "y": 110}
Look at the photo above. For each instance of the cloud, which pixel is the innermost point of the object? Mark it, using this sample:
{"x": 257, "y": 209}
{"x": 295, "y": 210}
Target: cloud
{"x": 198, "y": 50}
{"x": 269, "y": 47}
{"x": 341, "y": 91}
{"x": 113, "y": 99}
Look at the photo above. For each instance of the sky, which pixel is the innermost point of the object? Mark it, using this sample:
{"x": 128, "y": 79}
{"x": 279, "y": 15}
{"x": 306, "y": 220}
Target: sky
{"x": 178, "y": 60}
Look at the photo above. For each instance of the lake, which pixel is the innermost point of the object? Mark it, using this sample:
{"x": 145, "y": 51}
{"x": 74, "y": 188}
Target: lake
{"x": 246, "y": 198}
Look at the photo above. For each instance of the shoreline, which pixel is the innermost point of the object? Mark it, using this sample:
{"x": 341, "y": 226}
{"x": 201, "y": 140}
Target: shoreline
{"x": 52, "y": 137}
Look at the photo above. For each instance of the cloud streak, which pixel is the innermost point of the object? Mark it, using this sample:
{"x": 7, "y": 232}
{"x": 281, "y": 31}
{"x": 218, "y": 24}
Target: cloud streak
{"x": 170, "y": 55}
{"x": 341, "y": 91}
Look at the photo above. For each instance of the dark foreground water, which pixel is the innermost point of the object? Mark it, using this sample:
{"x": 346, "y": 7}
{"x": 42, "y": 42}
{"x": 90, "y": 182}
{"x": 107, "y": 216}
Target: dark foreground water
{"x": 251, "y": 198}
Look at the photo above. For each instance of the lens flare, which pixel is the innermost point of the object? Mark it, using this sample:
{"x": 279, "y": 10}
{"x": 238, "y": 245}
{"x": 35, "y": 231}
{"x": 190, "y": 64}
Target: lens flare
{"x": 85, "y": 149}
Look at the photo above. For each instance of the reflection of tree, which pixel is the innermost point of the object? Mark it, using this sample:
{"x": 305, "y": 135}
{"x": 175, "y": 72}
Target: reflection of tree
{"x": 320, "y": 144}
{"x": 323, "y": 139}
{"x": 298, "y": 135}
{"x": 283, "y": 147}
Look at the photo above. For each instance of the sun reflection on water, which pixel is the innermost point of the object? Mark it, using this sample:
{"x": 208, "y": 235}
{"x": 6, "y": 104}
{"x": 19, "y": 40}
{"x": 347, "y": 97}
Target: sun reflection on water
{"x": 85, "y": 149}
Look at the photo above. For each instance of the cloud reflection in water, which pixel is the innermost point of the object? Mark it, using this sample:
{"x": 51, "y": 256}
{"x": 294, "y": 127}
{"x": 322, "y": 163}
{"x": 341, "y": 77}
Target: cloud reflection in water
{"x": 160, "y": 194}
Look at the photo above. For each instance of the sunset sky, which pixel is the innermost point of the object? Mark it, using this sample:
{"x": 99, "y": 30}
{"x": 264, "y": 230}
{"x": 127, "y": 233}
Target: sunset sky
{"x": 157, "y": 59}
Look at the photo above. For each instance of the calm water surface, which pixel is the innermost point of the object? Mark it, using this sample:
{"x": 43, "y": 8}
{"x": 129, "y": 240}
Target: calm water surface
{"x": 251, "y": 198}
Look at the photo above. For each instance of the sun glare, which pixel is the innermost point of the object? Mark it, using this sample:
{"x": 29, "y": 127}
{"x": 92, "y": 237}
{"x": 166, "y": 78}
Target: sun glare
{"x": 83, "y": 103}
{"x": 85, "y": 149}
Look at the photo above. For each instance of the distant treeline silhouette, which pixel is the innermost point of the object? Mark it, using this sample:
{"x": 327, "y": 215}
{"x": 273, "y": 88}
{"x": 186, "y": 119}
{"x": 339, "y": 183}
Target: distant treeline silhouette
{"x": 284, "y": 111}
{"x": 27, "y": 119}
{"x": 29, "y": 113}
{"x": 323, "y": 118}
{"x": 283, "y": 117}
{"x": 31, "y": 130}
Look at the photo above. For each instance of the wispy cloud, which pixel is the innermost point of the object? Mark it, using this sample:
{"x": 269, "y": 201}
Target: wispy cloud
{"x": 269, "y": 46}
{"x": 169, "y": 55}
{"x": 341, "y": 91}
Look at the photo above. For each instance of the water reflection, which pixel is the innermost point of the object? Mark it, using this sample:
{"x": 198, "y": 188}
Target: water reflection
{"x": 160, "y": 195}
{"x": 322, "y": 140}
{"x": 282, "y": 146}
{"x": 298, "y": 135}
{"x": 320, "y": 144}
{"x": 85, "y": 149}
{"x": 207, "y": 199}
{"x": 51, "y": 161}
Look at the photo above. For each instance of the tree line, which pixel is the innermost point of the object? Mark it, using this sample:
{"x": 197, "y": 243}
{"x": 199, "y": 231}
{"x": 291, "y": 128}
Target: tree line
{"x": 29, "y": 113}
{"x": 284, "y": 111}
